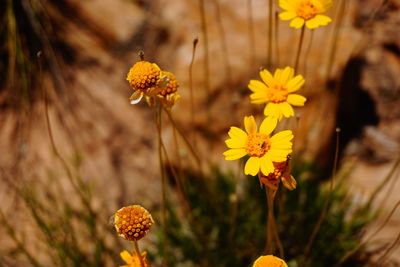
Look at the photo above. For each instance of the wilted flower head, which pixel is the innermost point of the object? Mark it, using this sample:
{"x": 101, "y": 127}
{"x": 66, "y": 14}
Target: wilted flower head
{"x": 306, "y": 12}
{"x": 262, "y": 149}
{"x": 277, "y": 91}
{"x": 280, "y": 173}
{"x": 133, "y": 260}
{"x": 269, "y": 261}
{"x": 132, "y": 222}
{"x": 144, "y": 78}
{"x": 167, "y": 95}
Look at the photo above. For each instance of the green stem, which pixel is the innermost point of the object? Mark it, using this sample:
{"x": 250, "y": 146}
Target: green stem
{"x": 163, "y": 178}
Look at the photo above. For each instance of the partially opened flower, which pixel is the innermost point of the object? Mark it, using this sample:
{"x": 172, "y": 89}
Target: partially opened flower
{"x": 145, "y": 79}
{"x": 278, "y": 91}
{"x": 269, "y": 261}
{"x": 306, "y": 12}
{"x": 281, "y": 173}
{"x": 262, "y": 149}
{"x": 133, "y": 260}
{"x": 167, "y": 95}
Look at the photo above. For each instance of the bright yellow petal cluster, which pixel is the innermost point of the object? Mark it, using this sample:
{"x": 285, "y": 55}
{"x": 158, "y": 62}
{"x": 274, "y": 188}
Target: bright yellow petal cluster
{"x": 269, "y": 261}
{"x": 277, "y": 91}
{"x": 306, "y": 12}
{"x": 133, "y": 260}
{"x": 262, "y": 149}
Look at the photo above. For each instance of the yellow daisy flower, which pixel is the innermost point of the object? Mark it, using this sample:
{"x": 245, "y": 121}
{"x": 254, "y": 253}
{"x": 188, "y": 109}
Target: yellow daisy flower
{"x": 262, "y": 149}
{"x": 278, "y": 91}
{"x": 306, "y": 12}
{"x": 269, "y": 261}
{"x": 133, "y": 260}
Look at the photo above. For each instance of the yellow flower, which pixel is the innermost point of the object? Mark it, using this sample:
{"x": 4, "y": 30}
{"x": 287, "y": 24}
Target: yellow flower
{"x": 269, "y": 261}
{"x": 262, "y": 149}
{"x": 144, "y": 78}
{"x": 305, "y": 11}
{"x": 132, "y": 222}
{"x": 133, "y": 260}
{"x": 278, "y": 91}
{"x": 167, "y": 95}
{"x": 280, "y": 173}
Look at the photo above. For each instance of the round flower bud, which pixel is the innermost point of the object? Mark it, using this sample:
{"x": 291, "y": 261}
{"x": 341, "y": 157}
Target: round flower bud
{"x": 144, "y": 76}
{"x": 269, "y": 261}
{"x": 133, "y": 222}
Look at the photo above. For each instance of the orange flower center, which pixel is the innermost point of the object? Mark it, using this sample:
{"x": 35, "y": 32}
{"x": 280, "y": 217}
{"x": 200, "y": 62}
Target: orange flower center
{"x": 306, "y": 10}
{"x": 257, "y": 144}
{"x": 277, "y": 94}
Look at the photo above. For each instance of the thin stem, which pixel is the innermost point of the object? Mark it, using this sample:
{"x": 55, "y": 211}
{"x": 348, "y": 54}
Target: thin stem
{"x": 224, "y": 46}
{"x": 138, "y": 253}
{"x": 163, "y": 189}
{"x": 277, "y": 59}
{"x": 270, "y": 36}
{"x": 336, "y": 32}
{"x": 296, "y": 64}
{"x": 350, "y": 253}
{"x": 188, "y": 144}
{"x": 307, "y": 54}
{"x": 206, "y": 48}
{"x": 388, "y": 250}
{"x": 324, "y": 212}
{"x": 195, "y": 41}
{"x": 384, "y": 182}
{"x": 252, "y": 41}
{"x": 269, "y": 231}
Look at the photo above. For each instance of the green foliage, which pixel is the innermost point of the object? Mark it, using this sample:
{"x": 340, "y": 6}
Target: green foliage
{"x": 229, "y": 221}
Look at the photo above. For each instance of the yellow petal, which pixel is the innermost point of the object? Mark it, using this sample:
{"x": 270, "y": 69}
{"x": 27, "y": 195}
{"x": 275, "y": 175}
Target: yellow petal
{"x": 126, "y": 256}
{"x": 252, "y": 166}
{"x": 295, "y": 84}
{"x": 235, "y": 153}
{"x": 268, "y": 125}
{"x": 286, "y": 109}
{"x": 250, "y": 124}
{"x": 237, "y": 133}
{"x": 282, "y": 136}
{"x": 279, "y": 155}
{"x": 272, "y": 110}
{"x": 297, "y": 23}
{"x": 281, "y": 145}
{"x": 287, "y": 75}
{"x": 296, "y": 100}
{"x": 289, "y": 182}
{"x": 235, "y": 143}
{"x": 286, "y": 5}
{"x": 257, "y": 86}
{"x": 136, "y": 97}
{"x": 259, "y": 97}
{"x": 266, "y": 165}
{"x": 277, "y": 74}
{"x": 266, "y": 76}
{"x": 324, "y": 5}
{"x": 287, "y": 15}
